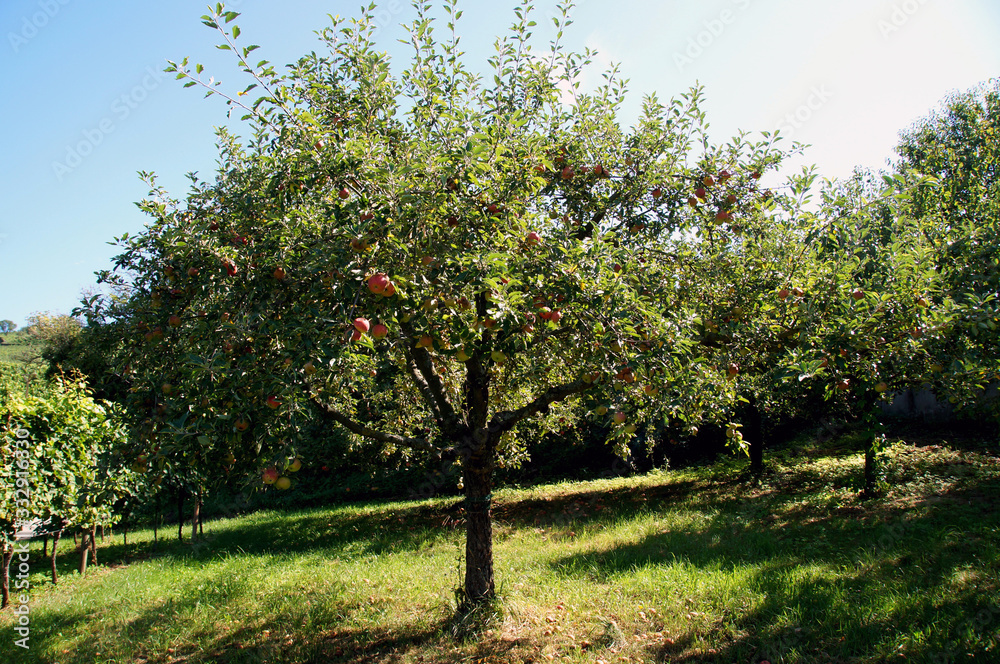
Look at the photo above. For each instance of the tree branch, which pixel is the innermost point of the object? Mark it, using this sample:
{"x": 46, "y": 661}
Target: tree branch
{"x": 447, "y": 417}
{"x": 506, "y": 420}
{"x": 354, "y": 427}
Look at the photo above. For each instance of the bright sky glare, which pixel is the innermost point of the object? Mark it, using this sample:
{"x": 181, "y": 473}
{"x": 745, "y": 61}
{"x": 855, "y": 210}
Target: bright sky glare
{"x": 87, "y": 105}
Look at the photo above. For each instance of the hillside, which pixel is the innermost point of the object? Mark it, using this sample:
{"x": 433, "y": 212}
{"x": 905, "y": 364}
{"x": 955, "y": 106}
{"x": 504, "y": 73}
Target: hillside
{"x": 18, "y": 347}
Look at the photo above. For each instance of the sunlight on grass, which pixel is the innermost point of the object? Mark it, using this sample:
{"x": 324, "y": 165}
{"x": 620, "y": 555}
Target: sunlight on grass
{"x": 694, "y": 565}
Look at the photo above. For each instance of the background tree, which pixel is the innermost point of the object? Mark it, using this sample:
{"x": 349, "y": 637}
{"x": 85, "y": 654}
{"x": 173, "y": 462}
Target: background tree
{"x": 959, "y": 145}
{"x": 7, "y": 326}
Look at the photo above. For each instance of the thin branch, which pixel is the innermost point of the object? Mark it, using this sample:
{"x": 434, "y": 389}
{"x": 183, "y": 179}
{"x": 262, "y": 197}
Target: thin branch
{"x": 360, "y": 429}
{"x": 506, "y": 420}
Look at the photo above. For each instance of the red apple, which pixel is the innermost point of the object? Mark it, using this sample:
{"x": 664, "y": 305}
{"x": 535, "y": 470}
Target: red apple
{"x": 192, "y": 272}
{"x": 783, "y": 294}
{"x": 453, "y": 221}
{"x": 356, "y": 335}
{"x": 532, "y": 239}
{"x": 174, "y": 321}
{"x": 857, "y": 294}
{"x": 270, "y": 475}
{"x": 700, "y": 193}
{"x": 567, "y": 173}
{"x": 733, "y": 369}
{"x": 708, "y": 180}
{"x": 343, "y": 193}
{"x": 724, "y": 175}
{"x": 657, "y": 192}
{"x": 279, "y": 273}
{"x": 377, "y": 283}
{"x": 692, "y": 201}
{"x": 620, "y": 417}
{"x": 273, "y": 403}
{"x": 843, "y": 385}
{"x": 390, "y": 290}
{"x": 380, "y": 331}
{"x": 242, "y": 425}
{"x": 361, "y": 325}
{"x": 295, "y": 465}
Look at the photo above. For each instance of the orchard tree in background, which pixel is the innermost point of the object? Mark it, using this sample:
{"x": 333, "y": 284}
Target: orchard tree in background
{"x": 959, "y": 145}
{"x": 429, "y": 260}
{"x": 7, "y": 326}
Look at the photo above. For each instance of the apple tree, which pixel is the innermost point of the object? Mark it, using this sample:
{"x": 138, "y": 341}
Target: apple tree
{"x": 429, "y": 260}
{"x": 959, "y": 145}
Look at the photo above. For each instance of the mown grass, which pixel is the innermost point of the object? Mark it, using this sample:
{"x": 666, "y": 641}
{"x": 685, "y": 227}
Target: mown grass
{"x": 698, "y": 565}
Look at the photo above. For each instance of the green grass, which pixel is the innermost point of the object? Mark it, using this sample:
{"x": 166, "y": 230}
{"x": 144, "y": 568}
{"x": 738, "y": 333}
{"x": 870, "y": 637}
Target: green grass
{"x": 18, "y": 348}
{"x": 698, "y": 565}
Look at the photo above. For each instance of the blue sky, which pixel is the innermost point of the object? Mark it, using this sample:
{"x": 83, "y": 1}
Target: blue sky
{"x": 79, "y": 76}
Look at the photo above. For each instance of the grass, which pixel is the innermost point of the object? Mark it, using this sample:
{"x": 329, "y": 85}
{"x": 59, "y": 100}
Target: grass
{"x": 698, "y": 565}
{"x": 18, "y": 348}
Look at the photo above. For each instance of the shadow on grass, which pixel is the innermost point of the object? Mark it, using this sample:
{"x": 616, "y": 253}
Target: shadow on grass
{"x": 911, "y": 577}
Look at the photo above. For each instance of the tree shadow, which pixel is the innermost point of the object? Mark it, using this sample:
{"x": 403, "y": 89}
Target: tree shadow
{"x": 876, "y": 574}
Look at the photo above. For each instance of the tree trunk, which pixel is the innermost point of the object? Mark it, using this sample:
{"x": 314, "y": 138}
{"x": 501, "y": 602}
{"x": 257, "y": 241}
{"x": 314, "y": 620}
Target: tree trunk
{"x": 195, "y": 516}
{"x": 755, "y": 434}
{"x": 84, "y": 550}
{"x": 479, "y": 583}
{"x": 125, "y": 534}
{"x": 93, "y": 543}
{"x": 55, "y": 546}
{"x": 8, "y": 555}
{"x": 45, "y": 545}
{"x": 180, "y": 516}
{"x": 870, "y": 471}
{"x": 201, "y": 522}
{"x": 102, "y": 533}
